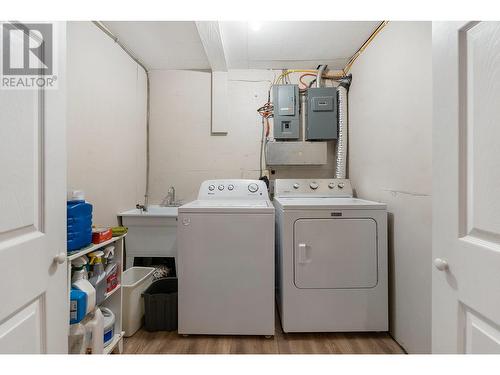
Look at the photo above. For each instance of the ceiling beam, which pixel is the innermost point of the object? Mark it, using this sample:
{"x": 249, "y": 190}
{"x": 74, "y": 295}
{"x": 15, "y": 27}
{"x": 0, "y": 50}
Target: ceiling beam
{"x": 211, "y": 39}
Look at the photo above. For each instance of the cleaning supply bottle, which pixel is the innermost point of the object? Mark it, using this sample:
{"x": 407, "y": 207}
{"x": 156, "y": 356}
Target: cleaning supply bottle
{"x": 80, "y": 284}
{"x": 78, "y": 306}
{"x": 109, "y": 325}
{"x": 79, "y": 221}
{"x": 78, "y": 339}
{"x": 94, "y": 328}
{"x": 111, "y": 269}
{"x": 85, "y": 287}
{"x": 79, "y": 269}
{"x": 98, "y": 275}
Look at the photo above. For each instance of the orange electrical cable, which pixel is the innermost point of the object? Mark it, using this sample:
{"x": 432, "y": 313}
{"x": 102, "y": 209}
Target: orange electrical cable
{"x": 302, "y": 76}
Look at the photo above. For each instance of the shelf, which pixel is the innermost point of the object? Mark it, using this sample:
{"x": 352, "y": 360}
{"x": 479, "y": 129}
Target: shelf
{"x": 92, "y": 247}
{"x": 113, "y": 299}
{"x": 116, "y": 339}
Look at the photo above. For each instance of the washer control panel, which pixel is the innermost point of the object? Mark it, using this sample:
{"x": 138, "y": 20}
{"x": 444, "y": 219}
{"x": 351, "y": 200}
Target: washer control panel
{"x": 313, "y": 188}
{"x": 233, "y": 189}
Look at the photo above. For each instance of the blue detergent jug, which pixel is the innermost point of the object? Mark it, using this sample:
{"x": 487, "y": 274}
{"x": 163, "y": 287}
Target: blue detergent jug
{"x": 78, "y": 306}
{"x": 79, "y": 222}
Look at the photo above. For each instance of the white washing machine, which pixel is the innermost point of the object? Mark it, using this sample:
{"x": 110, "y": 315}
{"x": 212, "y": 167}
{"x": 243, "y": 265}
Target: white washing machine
{"x": 226, "y": 260}
{"x": 331, "y": 258}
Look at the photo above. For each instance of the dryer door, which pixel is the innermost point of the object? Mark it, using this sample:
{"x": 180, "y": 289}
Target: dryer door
{"x": 335, "y": 253}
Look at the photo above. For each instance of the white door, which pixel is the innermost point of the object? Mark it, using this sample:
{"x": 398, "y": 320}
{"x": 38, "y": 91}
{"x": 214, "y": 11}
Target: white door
{"x": 466, "y": 201}
{"x": 33, "y": 291}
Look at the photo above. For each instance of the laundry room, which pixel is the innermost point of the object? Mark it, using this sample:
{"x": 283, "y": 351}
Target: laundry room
{"x": 213, "y": 116}
{"x": 242, "y": 187}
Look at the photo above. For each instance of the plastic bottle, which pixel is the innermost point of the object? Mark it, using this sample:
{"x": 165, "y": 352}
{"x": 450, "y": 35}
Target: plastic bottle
{"x": 86, "y": 287}
{"x": 79, "y": 269}
{"x": 109, "y": 325}
{"x": 78, "y": 306}
{"x": 79, "y": 221}
{"x": 98, "y": 276}
{"x": 94, "y": 328}
{"x": 111, "y": 269}
{"x": 78, "y": 340}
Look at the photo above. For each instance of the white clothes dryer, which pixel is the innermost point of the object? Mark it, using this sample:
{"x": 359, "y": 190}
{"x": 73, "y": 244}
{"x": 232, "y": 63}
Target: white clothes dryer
{"x": 331, "y": 258}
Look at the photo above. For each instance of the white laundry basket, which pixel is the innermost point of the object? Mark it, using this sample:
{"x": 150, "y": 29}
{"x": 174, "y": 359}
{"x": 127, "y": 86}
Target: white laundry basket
{"x": 135, "y": 281}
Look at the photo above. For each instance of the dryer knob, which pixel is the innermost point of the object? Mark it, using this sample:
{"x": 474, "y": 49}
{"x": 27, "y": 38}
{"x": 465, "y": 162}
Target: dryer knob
{"x": 252, "y": 188}
{"x": 313, "y": 185}
{"x": 220, "y": 187}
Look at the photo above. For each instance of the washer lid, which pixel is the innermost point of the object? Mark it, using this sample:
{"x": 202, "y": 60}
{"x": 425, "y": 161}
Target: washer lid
{"x": 289, "y": 203}
{"x": 226, "y": 205}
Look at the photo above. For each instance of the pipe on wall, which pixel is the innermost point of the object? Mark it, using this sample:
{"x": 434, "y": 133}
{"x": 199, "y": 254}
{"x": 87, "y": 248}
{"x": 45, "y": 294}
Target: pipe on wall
{"x": 342, "y": 141}
{"x": 103, "y": 28}
{"x": 319, "y": 75}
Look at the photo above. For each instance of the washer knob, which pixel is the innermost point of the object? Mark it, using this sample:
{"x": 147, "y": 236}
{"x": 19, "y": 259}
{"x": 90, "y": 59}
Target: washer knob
{"x": 296, "y": 186}
{"x": 252, "y": 188}
{"x": 331, "y": 185}
{"x": 341, "y": 185}
{"x": 220, "y": 187}
{"x": 313, "y": 185}
{"x": 211, "y": 187}
{"x": 230, "y": 187}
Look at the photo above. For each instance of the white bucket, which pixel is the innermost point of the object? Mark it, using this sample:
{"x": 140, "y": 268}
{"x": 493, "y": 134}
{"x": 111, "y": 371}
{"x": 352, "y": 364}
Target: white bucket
{"x": 135, "y": 281}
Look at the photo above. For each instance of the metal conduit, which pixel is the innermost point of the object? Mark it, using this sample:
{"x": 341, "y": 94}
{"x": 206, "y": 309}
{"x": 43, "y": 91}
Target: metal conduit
{"x": 342, "y": 141}
{"x": 103, "y": 28}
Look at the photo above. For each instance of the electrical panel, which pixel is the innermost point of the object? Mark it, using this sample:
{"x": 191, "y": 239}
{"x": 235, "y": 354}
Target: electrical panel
{"x": 286, "y": 112}
{"x": 322, "y": 117}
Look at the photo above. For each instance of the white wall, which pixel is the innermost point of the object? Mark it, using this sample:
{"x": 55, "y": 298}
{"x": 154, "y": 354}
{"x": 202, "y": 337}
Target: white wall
{"x": 390, "y": 161}
{"x": 183, "y": 153}
{"x": 106, "y": 122}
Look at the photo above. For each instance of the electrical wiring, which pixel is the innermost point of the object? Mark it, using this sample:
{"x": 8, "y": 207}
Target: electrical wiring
{"x": 305, "y": 85}
{"x": 363, "y": 47}
{"x": 266, "y": 112}
{"x": 262, "y": 146}
{"x": 289, "y": 71}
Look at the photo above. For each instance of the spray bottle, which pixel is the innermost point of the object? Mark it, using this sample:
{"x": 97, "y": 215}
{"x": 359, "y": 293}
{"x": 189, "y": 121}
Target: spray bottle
{"x": 98, "y": 275}
{"x": 111, "y": 269}
{"x": 83, "y": 292}
{"x": 79, "y": 268}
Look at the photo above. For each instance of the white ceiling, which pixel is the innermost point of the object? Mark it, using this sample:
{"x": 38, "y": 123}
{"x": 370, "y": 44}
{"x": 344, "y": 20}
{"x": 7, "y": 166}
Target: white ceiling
{"x": 293, "y": 44}
{"x": 162, "y": 44}
{"x": 246, "y": 45}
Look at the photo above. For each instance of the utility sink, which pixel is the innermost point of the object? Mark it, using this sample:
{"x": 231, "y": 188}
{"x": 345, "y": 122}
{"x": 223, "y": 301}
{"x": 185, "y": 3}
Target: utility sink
{"x": 153, "y": 210}
{"x": 151, "y": 233}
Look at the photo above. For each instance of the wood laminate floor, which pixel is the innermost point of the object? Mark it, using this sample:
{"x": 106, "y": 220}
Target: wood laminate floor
{"x": 144, "y": 342}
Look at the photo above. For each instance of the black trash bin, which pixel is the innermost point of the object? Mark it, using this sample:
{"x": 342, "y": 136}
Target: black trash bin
{"x": 160, "y": 305}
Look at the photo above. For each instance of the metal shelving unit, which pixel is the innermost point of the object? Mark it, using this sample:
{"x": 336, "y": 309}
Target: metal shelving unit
{"x": 114, "y": 299}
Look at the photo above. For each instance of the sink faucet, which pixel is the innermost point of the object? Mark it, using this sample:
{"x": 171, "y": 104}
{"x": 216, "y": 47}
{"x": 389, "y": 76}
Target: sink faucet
{"x": 169, "y": 199}
{"x": 141, "y": 207}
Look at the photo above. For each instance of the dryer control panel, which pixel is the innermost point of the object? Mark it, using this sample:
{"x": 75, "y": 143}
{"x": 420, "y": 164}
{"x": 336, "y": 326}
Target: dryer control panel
{"x": 322, "y": 187}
